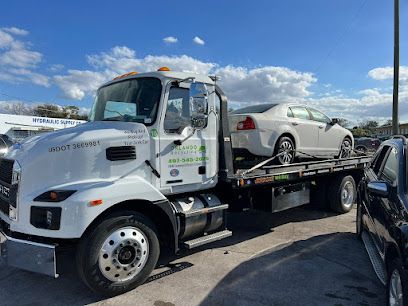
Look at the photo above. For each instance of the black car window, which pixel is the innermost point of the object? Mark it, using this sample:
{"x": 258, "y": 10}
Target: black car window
{"x": 259, "y": 108}
{"x": 378, "y": 159}
{"x": 300, "y": 112}
{"x": 390, "y": 170}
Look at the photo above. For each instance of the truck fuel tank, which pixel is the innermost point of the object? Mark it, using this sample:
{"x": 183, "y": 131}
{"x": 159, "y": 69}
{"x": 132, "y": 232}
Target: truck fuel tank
{"x": 199, "y": 214}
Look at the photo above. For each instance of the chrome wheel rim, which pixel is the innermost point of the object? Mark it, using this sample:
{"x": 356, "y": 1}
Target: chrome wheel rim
{"x": 347, "y": 194}
{"x": 395, "y": 289}
{"x": 286, "y": 152}
{"x": 123, "y": 254}
{"x": 345, "y": 150}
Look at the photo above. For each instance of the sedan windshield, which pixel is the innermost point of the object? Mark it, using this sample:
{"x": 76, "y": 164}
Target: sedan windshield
{"x": 134, "y": 100}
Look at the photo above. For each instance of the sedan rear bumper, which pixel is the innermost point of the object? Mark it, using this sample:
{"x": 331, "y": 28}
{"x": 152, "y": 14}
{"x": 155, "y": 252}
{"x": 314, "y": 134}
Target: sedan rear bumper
{"x": 28, "y": 255}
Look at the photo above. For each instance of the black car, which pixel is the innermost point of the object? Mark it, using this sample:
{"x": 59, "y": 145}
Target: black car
{"x": 366, "y": 144}
{"x": 382, "y": 217}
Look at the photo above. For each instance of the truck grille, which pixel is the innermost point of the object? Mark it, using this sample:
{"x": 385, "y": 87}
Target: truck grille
{"x": 6, "y": 170}
{"x": 8, "y": 192}
{"x": 121, "y": 153}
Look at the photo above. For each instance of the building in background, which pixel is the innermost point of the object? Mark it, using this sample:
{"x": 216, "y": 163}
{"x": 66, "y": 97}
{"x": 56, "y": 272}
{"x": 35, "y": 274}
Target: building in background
{"x": 386, "y": 130}
{"x": 18, "y": 127}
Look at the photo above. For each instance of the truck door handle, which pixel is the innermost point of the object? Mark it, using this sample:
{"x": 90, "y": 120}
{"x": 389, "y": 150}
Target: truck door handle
{"x": 295, "y": 123}
{"x": 321, "y": 126}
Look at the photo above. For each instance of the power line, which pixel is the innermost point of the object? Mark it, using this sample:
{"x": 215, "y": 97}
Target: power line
{"x": 341, "y": 36}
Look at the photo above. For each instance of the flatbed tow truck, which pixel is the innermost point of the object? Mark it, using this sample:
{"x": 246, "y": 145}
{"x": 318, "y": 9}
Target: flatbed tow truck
{"x": 152, "y": 170}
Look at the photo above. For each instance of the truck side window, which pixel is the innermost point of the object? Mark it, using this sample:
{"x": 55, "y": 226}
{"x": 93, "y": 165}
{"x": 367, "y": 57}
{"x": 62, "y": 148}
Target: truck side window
{"x": 178, "y": 110}
{"x": 390, "y": 171}
{"x": 378, "y": 159}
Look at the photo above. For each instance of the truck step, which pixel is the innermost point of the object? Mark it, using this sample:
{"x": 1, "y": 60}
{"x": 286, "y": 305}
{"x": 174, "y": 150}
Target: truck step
{"x": 203, "y": 211}
{"x": 375, "y": 258}
{"x": 207, "y": 239}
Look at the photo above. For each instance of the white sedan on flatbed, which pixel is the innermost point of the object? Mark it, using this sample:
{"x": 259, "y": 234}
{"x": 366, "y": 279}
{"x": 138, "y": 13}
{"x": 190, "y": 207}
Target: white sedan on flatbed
{"x": 288, "y": 129}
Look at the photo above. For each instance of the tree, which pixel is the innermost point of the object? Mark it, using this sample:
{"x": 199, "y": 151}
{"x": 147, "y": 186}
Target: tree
{"x": 49, "y": 110}
{"x": 18, "y": 108}
{"x": 368, "y": 125}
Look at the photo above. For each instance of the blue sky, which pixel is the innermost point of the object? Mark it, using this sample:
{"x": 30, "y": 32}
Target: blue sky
{"x": 324, "y": 53}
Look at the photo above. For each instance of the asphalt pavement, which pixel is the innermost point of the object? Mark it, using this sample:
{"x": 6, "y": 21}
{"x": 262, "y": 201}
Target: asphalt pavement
{"x": 301, "y": 256}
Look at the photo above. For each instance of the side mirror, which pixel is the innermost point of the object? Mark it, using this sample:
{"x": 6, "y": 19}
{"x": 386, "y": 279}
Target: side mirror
{"x": 334, "y": 121}
{"x": 379, "y": 188}
{"x": 198, "y": 105}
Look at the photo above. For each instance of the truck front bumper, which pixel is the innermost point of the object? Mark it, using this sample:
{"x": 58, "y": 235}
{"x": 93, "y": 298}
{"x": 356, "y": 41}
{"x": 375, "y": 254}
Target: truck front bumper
{"x": 28, "y": 255}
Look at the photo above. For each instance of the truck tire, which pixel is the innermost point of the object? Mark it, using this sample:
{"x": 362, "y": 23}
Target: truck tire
{"x": 342, "y": 194}
{"x": 118, "y": 254}
{"x": 397, "y": 284}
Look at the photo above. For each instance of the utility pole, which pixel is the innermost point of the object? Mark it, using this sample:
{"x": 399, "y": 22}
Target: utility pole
{"x": 395, "y": 123}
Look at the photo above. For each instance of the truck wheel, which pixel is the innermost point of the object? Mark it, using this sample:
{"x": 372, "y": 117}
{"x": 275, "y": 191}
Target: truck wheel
{"x": 342, "y": 194}
{"x": 118, "y": 254}
{"x": 397, "y": 284}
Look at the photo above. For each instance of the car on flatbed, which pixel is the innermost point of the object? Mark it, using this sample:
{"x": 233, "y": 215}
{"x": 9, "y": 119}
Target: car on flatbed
{"x": 382, "y": 217}
{"x": 288, "y": 130}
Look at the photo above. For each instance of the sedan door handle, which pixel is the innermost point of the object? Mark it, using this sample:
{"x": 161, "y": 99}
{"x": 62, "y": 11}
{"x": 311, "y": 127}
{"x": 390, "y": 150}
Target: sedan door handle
{"x": 321, "y": 126}
{"x": 295, "y": 123}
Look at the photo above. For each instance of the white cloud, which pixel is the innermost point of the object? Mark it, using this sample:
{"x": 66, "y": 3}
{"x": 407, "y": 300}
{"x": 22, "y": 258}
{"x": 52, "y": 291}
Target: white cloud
{"x": 119, "y": 60}
{"x": 387, "y": 73}
{"x": 266, "y": 84}
{"x": 197, "y": 40}
{"x": 56, "y": 67}
{"x": 79, "y": 83}
{"x": 17, "y": 61}
{"x": 15, "y": 31}
{"x": 170, "y": 40}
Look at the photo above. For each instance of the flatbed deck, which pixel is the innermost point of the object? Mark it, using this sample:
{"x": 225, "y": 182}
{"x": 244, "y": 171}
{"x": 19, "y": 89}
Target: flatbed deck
{"x": 287, "y": 173}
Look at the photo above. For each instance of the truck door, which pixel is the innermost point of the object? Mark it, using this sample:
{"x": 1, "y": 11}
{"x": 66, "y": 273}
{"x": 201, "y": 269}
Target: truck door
{"x": 193, "y": 162}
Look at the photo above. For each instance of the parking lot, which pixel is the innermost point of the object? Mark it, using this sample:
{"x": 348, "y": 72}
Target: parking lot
{"x": 297, "y": 257}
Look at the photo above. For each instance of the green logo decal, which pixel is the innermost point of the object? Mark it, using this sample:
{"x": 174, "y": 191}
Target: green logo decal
{"x": 154, "y": 133}
{"x": 201, "y": 149}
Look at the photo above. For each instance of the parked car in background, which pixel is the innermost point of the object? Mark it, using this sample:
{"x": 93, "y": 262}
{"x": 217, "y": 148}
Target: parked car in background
{"x": 290, "y": 130}
{"x": 366, "y": 144}
{"x": 382, "y": 217}
{"x": 5, "y": 143}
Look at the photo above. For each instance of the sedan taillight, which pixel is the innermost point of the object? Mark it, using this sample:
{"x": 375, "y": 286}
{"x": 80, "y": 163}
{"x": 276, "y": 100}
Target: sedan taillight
{"x": 247, "y": 124}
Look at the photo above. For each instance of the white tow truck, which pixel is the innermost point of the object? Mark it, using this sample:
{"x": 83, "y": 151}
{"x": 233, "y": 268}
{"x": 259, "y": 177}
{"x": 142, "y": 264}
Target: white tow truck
{"x": 152, "y": 170}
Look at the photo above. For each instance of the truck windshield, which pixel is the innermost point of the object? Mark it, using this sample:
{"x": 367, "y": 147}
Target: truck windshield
{"x": 134, "y": 100}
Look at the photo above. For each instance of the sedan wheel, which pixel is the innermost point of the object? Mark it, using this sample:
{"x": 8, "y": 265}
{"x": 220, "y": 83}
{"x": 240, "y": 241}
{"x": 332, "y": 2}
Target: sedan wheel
{"x": 286, "y": 151}
{"x": 345, "y": 150}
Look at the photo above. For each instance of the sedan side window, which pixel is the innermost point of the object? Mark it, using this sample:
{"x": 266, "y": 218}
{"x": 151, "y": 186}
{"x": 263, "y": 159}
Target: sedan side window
{"x": 300, "y": 112}
{"x": 390, "y": 171}
{"x": 318, "y": 116}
